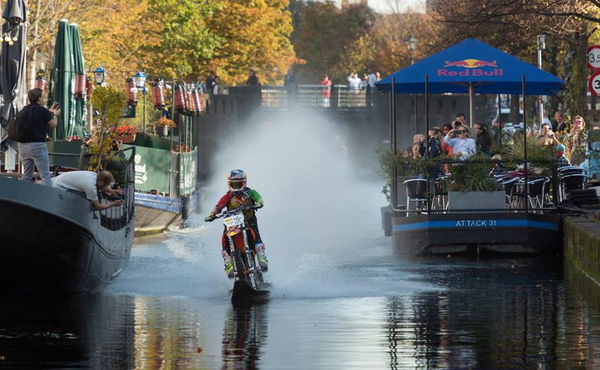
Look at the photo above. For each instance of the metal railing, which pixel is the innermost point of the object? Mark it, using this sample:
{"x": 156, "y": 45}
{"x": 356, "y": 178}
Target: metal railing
{"x": 116, "y": 218}
{"x": 434, "y": 199}
{"x": 315, "y": 96}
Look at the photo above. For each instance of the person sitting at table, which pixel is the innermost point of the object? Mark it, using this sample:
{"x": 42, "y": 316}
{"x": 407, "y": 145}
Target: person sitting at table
{"x": 562, "y": 160}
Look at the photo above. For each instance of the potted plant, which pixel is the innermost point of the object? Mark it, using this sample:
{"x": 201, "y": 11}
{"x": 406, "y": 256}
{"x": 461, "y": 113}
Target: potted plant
{"x": 541, "y": 157}
{"x": 126, "y": 134}
{"x": 163, "y": 125}
{"x": 472, "y": 187}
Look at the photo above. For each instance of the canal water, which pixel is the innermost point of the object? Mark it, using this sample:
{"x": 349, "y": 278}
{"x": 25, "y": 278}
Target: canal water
{"x": 340, "y": 297}
{"x": 352, "y": 306}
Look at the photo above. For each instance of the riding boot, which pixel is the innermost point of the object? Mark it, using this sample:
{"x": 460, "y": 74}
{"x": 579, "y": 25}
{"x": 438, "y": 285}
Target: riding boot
{"x": 261, "y": 256}
{"x": 228, "y": 262}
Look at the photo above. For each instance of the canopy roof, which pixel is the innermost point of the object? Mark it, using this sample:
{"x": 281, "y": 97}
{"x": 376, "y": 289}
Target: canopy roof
{"x": 489, "y": 70}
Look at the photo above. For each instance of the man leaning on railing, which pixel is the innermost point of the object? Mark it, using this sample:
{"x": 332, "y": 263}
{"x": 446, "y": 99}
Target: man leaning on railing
{"x": 89, "y": 183}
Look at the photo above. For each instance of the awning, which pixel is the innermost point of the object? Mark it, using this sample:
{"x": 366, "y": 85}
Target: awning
{"x": 472, "y": 63}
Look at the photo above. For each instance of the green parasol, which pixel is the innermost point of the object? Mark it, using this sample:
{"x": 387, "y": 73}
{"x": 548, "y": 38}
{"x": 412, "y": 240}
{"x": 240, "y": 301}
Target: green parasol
{"x": 61, "y": 81}
{"x": 79, "y": 128}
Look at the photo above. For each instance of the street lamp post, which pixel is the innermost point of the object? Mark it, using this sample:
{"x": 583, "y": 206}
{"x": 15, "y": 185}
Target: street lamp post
{"x": 411, "y": 45}
{"x": 541, "y": 45}
{"x": 100, "y": 76}
{"x": 140, "y": 82}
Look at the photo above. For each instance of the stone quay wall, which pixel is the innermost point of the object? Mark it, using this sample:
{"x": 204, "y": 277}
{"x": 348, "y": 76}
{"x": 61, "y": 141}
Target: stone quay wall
{"x": 581, "y": 246}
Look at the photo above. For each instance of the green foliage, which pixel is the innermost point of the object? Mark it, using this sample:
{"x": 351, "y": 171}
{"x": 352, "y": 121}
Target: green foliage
{"x": 187, "y": 41}
{"x": 541, "y": 156}
{"x": 473, "y": 174}
{"x": 110, "y": 102}
{"x": 405, "y": 167}
{"x": 255, "y": 36}
{"x": 535, "y": 151}
{"x": 329, "y": 38}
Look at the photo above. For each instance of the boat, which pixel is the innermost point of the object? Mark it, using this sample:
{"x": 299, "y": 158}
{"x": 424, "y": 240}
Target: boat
{"x": 165, "y": 184}
{"x": 476, "y": 233}
{"x": 521, "y": 214}
{"x": 54, "y": 241}
{"x": 165, "y": 175}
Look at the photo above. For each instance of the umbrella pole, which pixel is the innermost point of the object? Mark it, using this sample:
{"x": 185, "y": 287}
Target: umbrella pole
{"x": 471, "y": 108}
{"x": 394, "y": 147}
{"x": 525, "y": 144}
{"x": 427, "y": 142}
{"x": 500, "y": 121}
{"x": 415, "y": 111}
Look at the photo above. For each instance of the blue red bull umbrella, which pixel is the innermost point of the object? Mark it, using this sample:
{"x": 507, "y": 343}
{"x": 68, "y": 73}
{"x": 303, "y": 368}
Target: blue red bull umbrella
{"x": 472, "y": 63}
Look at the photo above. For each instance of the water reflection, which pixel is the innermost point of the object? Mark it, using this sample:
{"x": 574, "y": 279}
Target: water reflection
{"x": 244, "y": 334}
{"x": 480, "y": 315}
{"x": 512, "y": 316}
{"x": 88, "y": 331}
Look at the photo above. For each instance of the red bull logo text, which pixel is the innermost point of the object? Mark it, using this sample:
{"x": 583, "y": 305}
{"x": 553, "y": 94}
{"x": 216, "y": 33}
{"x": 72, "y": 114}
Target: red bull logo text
{"x": 470, "y": 67}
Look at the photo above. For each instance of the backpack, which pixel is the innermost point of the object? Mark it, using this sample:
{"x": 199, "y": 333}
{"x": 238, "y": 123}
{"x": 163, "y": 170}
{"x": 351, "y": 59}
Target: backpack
{"x": 19, "y": 127}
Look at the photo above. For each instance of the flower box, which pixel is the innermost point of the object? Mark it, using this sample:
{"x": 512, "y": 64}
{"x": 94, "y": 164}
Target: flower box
{"x": 126, "y": 138}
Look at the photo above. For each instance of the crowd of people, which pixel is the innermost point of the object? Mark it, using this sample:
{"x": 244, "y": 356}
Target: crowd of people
{"x": 457, "y": 140}
{"x": 570, "y": 138}
{"x": 355, "y": 86}
{"x": 453, "y": 140}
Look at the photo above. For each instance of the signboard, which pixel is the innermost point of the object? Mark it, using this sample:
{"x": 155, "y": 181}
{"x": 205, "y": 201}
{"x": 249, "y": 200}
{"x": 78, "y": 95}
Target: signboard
{"x": 594, "y": 83}
{"x": 593, "y": 57}
{"x": 152, "y": 169}
{"x": 187, "y": 172}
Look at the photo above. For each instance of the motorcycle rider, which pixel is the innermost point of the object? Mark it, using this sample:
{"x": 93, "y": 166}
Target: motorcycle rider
{"x": 239, "y": 194}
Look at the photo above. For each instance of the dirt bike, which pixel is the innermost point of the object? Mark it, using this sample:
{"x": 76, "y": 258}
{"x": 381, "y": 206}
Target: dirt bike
{"x": 248, "y": 276}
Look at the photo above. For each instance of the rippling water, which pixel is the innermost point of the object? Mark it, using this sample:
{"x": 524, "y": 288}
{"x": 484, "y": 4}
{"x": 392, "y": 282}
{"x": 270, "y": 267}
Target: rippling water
{"x": 171, "y": 310}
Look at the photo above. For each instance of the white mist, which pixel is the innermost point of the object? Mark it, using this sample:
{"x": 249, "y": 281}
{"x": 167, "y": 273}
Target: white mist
{"x": 319, "y": 219}
{"x": 320, "y": 224}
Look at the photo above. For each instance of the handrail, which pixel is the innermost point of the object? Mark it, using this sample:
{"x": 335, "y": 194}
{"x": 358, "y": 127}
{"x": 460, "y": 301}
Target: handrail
{"x": 525, "y": 180}
{"x": 467, "y": 161}
{"x": 116, "y": 218}
{"x": 466, "y": 210}
{"x": 74, "y": 155}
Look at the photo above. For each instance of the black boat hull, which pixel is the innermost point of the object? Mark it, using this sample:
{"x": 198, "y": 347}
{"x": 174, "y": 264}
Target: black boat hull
{"x": 53, "y": 241}
{"x": 475, "y": 233}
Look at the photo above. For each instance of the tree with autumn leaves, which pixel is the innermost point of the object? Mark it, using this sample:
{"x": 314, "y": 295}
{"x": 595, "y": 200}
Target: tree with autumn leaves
{"x": 513, "y": 26}
{"x": 335, "y": 41}
{"x": 171, "y": 38}
{"x": 188, "y": 38}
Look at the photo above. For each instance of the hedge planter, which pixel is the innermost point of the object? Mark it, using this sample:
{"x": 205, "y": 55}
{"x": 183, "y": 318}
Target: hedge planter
{"x": 476, "y": 200}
